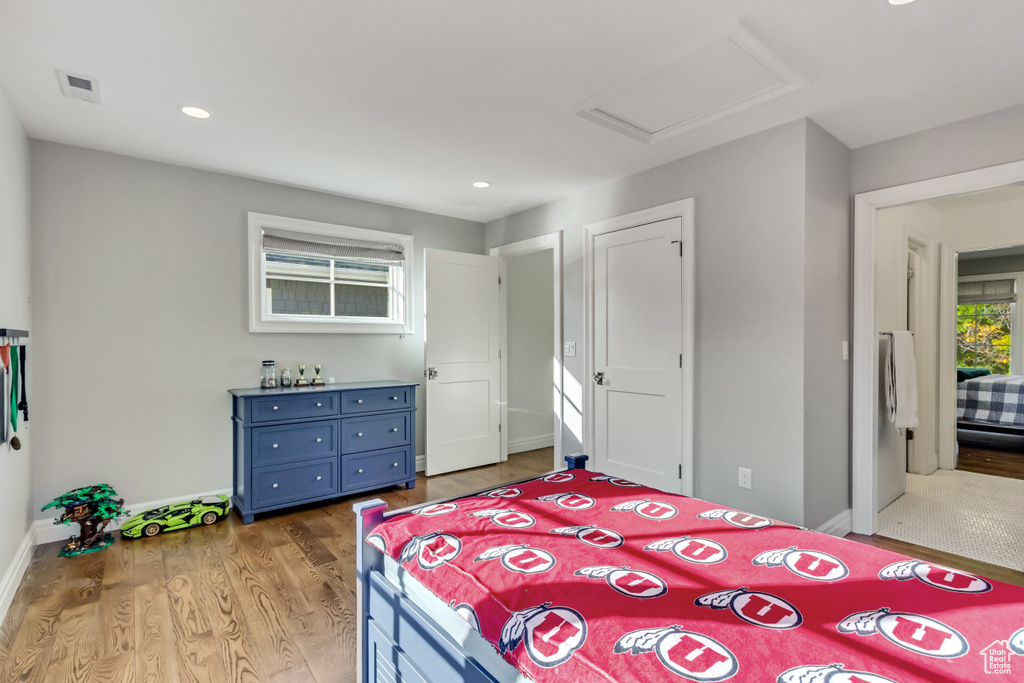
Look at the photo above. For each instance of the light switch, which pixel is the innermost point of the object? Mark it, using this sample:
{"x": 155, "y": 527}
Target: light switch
{"x": 570, "y": 349}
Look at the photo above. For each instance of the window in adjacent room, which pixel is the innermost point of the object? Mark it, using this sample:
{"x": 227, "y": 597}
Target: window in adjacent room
{"x": 317, "y": 277}
{"x": 985, "y": 322}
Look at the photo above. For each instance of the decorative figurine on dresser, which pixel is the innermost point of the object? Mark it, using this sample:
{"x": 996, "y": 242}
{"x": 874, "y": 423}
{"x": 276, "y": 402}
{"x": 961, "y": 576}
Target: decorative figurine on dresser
{"x": 302, "y": 444}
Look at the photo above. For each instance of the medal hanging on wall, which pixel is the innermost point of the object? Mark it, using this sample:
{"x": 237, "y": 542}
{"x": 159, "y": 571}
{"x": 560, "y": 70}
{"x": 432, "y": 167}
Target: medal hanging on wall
{"x": 15, "y": 441}
{"x": 5, "y": 358}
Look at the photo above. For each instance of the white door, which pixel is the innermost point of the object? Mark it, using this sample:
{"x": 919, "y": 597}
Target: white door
{"x": 638, "y": 347}
{"x": 463, "y": 368}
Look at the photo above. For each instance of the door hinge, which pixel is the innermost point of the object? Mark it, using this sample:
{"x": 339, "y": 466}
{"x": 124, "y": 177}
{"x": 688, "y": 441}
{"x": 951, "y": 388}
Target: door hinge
{"x": 680, "y": 470}
{"x": 499, "y": 428}
{"x": 499, "y": 281}
{"x": 680, "y": 360}
{"x": 680, "y": 243}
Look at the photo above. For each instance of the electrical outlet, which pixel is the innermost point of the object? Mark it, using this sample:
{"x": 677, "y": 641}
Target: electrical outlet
{"x": 746, "y": 478}
{"x": 570, "y": 349}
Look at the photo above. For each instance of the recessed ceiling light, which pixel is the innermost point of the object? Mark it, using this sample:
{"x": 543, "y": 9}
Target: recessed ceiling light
{"x": 195, "y": 112}
{"x": 481, "y": 184}
{"x": 900, "y": 2}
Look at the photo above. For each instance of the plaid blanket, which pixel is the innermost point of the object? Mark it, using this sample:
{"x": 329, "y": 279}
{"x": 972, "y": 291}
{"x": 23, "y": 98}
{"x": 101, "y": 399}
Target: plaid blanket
{"x": 993, "y": 399}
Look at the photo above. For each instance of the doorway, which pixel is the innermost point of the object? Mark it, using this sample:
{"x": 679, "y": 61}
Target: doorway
{"x": 640, "y": 330}
{"x": 866, "y": 416}
{"x": 531, "y": 345}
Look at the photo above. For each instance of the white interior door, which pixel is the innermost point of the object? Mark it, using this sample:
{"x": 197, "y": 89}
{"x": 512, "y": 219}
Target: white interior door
{"x": 638, "y": 352}
{"x": 463, "y": 371}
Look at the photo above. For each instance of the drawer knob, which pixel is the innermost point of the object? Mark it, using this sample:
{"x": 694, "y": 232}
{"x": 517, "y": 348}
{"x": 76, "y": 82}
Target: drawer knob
{"x": 275, "y": 445}
{"x": 360, "y": 472}
{"x": 359, "y": 401}
{"x": 359, "y": 434}
{"x": 319, "y": 478}
{"x": 395, "y": 465}
{"x": 319, "y": 404}
{"x": 394, "y": 398}
{"x": 395, "y": 429}
{"x": 275, "y": 486}
{"x": 275, "y": 407}
{"x": 319, "y": 440}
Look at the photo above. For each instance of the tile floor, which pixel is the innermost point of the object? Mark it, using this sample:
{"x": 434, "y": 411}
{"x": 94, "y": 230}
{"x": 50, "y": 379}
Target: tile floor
{"x": 973, "y": 515}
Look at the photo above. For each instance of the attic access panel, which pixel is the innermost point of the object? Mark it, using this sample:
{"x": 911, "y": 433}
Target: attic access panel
{"x": 717, "y": 79}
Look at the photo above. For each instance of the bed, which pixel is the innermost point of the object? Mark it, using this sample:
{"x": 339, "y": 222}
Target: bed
{"x": 990, "y": 410}
{"x": 578, "y": 576}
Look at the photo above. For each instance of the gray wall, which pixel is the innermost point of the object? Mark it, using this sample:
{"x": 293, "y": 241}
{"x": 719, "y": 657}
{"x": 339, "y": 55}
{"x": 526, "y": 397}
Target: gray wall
{"x": 140, "y": 280}
{"x": 827, "y": 265}
{"x": 996, "y": 264}
{"x": 15, "y": 312}
{"x": 974, "y": 143}
{"x": 750, "y": 215}
{"x": 529, "y": 287}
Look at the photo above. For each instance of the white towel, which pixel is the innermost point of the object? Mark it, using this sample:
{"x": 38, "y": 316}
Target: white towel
{"x": 901, "y": 381}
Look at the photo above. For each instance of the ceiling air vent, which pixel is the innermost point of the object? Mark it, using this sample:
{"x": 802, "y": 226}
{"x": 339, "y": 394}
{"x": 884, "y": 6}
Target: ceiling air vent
{"x": 79, "y": 87}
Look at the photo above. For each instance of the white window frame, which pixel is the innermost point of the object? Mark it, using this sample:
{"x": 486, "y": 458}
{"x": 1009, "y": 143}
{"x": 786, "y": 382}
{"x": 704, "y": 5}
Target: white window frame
{"x": 401, "y": 291}
{"x": 1016, "y": 319}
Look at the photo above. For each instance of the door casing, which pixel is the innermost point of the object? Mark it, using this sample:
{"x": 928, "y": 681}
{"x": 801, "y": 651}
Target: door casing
{"x": 683, "y": 209}
{"x": 552, "y": 241}
{"x": 865, "y": 349}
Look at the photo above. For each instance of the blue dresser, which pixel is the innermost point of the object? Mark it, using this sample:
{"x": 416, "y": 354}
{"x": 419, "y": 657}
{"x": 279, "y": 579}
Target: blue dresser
{"x": 295, "y": 446}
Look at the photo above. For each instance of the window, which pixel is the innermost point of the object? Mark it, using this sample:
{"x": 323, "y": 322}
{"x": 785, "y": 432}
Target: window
{"x": 317, "y": 277}
{"x": 985, "y": 322}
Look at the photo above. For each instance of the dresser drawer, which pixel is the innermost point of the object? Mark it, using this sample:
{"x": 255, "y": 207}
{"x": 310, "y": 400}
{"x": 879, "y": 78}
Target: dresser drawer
{"x": 292, "y": 442}
{"x": 371, "y": 400}
{"x": 374, "y": 432}
{"x": 295, "y": 406}
{"x": 380, "y": 467}
{"x": 287, "y": 483}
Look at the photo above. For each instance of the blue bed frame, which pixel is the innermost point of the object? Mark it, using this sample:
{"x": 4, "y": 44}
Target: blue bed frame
{"x": 397, "y": 642}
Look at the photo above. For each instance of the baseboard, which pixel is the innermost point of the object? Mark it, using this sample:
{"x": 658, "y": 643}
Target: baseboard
{"x": 45, "y": 531}
{"x": 421, "y": 462}
{"x": 531, "y": 443}
{"x": 12, "y": 577}
{"x": 840, "y": 525}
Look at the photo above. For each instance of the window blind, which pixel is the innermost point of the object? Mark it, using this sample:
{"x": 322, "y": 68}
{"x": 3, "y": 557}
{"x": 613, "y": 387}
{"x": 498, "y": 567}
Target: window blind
{"x": 987, "y": 292}
{"x": 290, "y": 241}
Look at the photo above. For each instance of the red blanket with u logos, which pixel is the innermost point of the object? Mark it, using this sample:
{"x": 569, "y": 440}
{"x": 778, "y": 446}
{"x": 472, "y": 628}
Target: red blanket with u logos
{"x": 577, "y": 576}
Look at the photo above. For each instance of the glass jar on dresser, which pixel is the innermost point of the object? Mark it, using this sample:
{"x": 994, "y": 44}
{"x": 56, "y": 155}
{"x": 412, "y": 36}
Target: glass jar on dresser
{"x": 299, "y": 445}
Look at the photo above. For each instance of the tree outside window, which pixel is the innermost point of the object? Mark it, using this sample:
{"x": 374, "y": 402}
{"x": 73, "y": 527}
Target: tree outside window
{"x": 983, "y": 336}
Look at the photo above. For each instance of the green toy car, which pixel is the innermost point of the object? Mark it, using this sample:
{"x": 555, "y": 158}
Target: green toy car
{"x": 176, "y": 516}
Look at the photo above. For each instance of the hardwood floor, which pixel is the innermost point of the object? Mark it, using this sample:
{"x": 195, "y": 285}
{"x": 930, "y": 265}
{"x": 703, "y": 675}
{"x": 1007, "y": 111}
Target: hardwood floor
{"x": 986, "y": 461}
{"x": 920, "y": 552}
{"x": 271, "y": 601}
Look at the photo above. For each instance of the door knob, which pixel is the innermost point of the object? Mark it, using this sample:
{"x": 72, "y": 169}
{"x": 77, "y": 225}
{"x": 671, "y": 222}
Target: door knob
{"x": 599, "y": 377}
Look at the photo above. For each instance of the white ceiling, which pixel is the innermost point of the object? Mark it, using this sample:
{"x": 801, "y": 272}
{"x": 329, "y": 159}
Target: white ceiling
{"x": 408, "y": 102}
